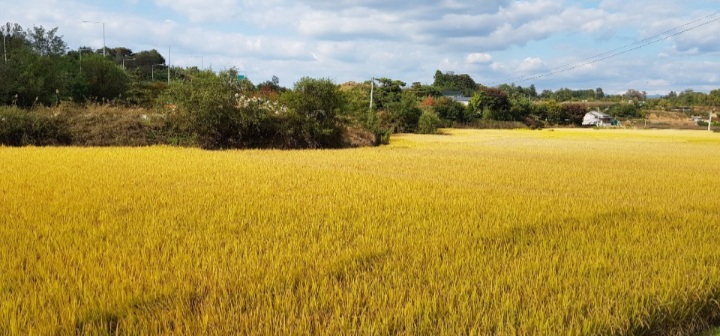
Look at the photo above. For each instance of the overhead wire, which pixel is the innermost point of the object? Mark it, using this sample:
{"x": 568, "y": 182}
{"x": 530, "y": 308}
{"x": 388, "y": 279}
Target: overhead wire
{"x": 595, "y": 58}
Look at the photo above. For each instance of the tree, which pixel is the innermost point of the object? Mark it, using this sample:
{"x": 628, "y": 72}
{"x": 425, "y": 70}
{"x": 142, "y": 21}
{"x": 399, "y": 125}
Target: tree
{"x": 532, "y": 91}
{"x": 550, "y": 111}
{"x": 633, "y": 94}
{"x": 117, "y": 54}
{"x": 492, "y": 100}
{"x": 316, "y": 98}
{"x": 28, "y": 79}
{"x": 563, "y": 94}
{"x": 714, "y": 97}
{"x": 599, "y": 94}
{"x": 40, "y": 80}
{"x": 271, "y": 87}
{"x": 105, "y": 79}
{"x": 144, "y": 60}
{"x": 448, "y": 109}
{"x": 46, "y": 42}
{"x": 422, "y": 91}
{"x": 207, "y": 108}
{"x": 405, "y": 113}
{"x": 356, "y": 97}
{"x": 319, "y": 102}
{"x": 387, "y": 92}
{"x": 449, "y": 81}
{"x": 546, "y": 94}
{"x": 429, "y": 122}
{"x": 625, "y": 110}
{"x": 574, "y": 112}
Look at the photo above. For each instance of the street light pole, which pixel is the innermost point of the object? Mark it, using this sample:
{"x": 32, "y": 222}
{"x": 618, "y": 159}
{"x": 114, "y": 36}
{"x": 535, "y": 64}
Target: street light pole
{"x": 127, "y": 59}
{"x": 152, "y": 71}
{"x": 4, "y": 46}
{"x": 372, "y": 88}
{"x": 103, "y": 25}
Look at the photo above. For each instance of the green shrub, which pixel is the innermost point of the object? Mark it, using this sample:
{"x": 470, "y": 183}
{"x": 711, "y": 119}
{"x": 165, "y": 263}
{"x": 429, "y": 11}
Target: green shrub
{"x": 630, "y": 110}
{"x": 574, "y": 113}
{"x": 22, "y": 127}
{"x": 429, "y": 122}
{"x": 206, "y": 108}
{"x": 317, "y": 103}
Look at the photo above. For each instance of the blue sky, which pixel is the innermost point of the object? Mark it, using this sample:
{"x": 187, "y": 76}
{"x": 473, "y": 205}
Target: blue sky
{"x": 494, "y": 41}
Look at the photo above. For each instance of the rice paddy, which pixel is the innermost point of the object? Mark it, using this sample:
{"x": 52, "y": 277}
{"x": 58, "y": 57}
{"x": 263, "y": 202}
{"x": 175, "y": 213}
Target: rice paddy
{"x": 571, "y": 231}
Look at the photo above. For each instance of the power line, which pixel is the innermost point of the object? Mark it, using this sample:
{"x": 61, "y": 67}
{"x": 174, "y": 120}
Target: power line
{"x": 594, "y": 59}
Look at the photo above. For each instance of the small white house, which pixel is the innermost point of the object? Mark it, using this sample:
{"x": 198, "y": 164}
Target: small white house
{"x": 596, "y": 118}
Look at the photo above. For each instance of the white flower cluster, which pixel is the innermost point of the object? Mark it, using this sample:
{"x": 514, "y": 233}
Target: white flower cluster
{"x": 270, "y": 106}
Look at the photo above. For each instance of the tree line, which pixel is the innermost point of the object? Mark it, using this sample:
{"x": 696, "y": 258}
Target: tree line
{"x": 54, "y": 95}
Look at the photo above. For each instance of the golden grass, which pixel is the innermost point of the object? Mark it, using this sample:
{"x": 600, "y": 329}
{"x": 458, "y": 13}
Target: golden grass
{"x": 474, "y": 232}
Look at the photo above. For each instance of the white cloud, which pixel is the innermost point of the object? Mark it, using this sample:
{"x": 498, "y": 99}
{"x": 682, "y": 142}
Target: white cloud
{"x": 475, "y": 58}
{"x": 530, "y": 64}
{"x": 203, "y": 11}
{"x": 355, "y": 39}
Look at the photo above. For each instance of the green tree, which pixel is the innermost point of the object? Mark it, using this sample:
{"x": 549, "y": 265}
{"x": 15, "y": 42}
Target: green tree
{"x": 450, "y": 81}
{"x": 549, "y": 110}
{"x": 318, "y": 102}
{"x": 625, "y": 110}
{"x": 429, "y": 122}
{"x": 448, "y": 109}
{"x": 105, "y": 79}
{"x": 46, "y": 42}
{"x": 144, "y": 60}
{"x": 714, "y": 97}
{"x": 28, "y": 78}
{"x": 207, "y": 109}
{"x": 599, "y": 94}
{"x": 574, "y": 112}
{"x": 356, "y": 99}
{"x": 422, "y": 91}
{"x": 41, "y": 80}
{"x": 405, "y": 113}
{"x": 633, "y": 94}
{"x": 491, "y": 100}
{"x": 387, "y": 92}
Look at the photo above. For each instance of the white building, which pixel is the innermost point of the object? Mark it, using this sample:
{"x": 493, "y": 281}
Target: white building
{"x": 596, "y": 118}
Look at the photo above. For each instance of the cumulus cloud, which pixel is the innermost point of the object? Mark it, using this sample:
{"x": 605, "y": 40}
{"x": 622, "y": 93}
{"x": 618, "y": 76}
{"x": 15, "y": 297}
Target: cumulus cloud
{"x": 356, "y": 39}
{"x": 530, "y": 64}
{"x": 475, "y": 58}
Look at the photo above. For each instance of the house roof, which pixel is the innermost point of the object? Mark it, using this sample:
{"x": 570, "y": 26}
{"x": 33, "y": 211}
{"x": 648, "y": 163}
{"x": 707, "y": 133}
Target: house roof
{"x": 599, "y": 115}
{"x": 452, "y": 93}
{"x": 456, "y": 96}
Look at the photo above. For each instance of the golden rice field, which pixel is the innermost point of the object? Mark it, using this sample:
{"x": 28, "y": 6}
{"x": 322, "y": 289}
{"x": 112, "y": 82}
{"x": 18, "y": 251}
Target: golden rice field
{"x": 577, "y": 232}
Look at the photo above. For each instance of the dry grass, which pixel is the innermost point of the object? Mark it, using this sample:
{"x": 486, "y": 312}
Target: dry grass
{"x": 570, "y": 231}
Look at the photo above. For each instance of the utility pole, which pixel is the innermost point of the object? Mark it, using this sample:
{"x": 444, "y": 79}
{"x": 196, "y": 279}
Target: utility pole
{"x": 4, "y": 46}
{"x": 152, "y": 70}
{"x": 710, "y": 122}
{"x": 372, "y": 88}
{"x": 168, "y": 65}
